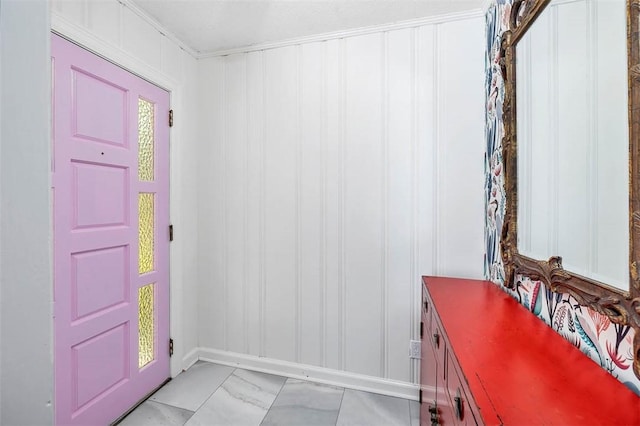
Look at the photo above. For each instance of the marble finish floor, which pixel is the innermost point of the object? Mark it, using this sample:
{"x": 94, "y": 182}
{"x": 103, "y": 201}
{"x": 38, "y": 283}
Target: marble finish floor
{"x": 211, "y": 394}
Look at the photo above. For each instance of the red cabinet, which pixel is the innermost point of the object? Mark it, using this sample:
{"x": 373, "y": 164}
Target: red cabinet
{"x": 487, "y": 360}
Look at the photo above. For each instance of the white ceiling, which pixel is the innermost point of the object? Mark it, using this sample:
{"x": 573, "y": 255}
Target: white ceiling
{"x": 215, "y": 25}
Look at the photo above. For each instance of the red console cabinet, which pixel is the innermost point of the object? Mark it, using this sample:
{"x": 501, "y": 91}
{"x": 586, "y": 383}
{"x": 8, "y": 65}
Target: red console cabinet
{"x": 486, "y": 360}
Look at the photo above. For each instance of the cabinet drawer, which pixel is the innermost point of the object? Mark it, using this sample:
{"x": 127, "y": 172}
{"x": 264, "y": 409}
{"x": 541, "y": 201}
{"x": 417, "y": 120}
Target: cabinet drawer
{"x": 457, "y": 394}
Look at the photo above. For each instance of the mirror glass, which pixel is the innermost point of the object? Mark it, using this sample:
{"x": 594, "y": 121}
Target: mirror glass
{"x": 573, "y": 139}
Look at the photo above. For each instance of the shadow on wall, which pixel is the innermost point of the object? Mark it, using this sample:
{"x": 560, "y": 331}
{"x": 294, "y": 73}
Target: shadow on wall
{"x": 610, "y": 345}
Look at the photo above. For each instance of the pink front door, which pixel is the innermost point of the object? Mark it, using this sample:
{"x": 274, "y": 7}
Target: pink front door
{"x": 111, "y": 217}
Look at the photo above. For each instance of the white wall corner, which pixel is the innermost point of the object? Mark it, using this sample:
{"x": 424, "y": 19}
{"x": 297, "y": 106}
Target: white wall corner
{"x": 311, "y": 373}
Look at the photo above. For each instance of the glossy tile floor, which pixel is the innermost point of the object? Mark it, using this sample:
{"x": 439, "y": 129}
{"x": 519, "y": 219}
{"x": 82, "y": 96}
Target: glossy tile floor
{"x": 212, "y": 394}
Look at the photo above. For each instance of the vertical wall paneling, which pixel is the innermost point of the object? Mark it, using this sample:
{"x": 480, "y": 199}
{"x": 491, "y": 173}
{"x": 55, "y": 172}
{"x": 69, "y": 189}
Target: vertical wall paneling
{"x": 311, "y": 162}
{"x": 384, "y": 207}
{"x": 104, "y": 20}
{"x": 554, "y": 163}
{"x": 255, "y": 201}
{"x": 223, "y": 207}
{"x": 400, "y": 198}
{"x": 298, "y": 153}
{"x": 592, "y": 133}
{"x": 280, "y": 206}
{"x": 245, "y": 216}
{"x": 263, "y": 206}
{"x": 141, "y": 39}
{"x": 211, "y": 303}
{"x": 333, "y": 210}
{"x": 235, "y": 203}
{"x": 346, "y": 172}
{"x": 414, "y": 298}
{"x": 363, "y": 200}
{"x": 184, "y": 211}
{"x": 74, "y": 9}
{"x": 324, "y": 130}
{"x": 343, "y": 202}
{"x": 172, "y": 61}
{"x": 426, "y": 110}
{"x": 459, "y": 160}
{"x": 436, "y": 62}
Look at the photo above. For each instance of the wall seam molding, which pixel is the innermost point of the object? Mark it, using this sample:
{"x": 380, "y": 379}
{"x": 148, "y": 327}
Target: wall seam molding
{"x": 223, "y": 183}
{"x": 343, "y": 186}
{"x": 263, "y": 210}
{"x": 298, "y": 218}
{"x": 245, "y": 198}
{"x": 430, "y": 20}
{"x": 324, "y": 118}
{"x": 437, "y": 258}
{"x": 593, "y": 135}
{"x": 554, "y": 108}
{"x": 416, "y": 288}
{"x": 384, "y": 265}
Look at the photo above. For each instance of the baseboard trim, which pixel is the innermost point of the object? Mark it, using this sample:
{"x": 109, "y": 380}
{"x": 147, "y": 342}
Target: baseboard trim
{"x": 312, "y": 373}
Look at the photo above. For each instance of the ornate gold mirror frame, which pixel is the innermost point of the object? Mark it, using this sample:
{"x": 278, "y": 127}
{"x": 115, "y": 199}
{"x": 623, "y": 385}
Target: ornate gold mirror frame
{"x": 622, "y": 307}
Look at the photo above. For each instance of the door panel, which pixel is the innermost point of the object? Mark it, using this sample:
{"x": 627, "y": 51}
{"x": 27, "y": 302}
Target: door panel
{"x": 110, "y": 186}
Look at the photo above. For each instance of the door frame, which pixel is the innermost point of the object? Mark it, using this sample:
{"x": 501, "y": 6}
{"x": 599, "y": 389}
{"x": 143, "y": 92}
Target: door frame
{"x": 135, "y": 66}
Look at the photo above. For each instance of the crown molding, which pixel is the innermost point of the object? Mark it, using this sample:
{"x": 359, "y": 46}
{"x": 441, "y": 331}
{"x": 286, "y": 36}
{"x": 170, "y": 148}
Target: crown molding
{"x": 431, "y": 20}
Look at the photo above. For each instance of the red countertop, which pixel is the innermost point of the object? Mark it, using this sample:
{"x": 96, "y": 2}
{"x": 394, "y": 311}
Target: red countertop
{"x": 519, "y": 370}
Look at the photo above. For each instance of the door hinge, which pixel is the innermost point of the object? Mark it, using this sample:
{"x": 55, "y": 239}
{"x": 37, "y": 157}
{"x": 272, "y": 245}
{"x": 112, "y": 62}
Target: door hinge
{"x": 170, "y": 347}
{"x": 170, "y": 118}
{"x": 420, "y": 396}
{"x": 170, "y": 232}
{"x": 421, "y": 329}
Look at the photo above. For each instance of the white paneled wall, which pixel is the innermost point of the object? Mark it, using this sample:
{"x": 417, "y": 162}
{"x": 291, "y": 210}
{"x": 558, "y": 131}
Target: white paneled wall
{"x": 333, "y": 174}
{"x": 117, "y": 30}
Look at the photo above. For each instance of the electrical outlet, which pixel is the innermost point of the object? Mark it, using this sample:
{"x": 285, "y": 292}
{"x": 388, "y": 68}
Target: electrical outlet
{"x": 414, "y": 349}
